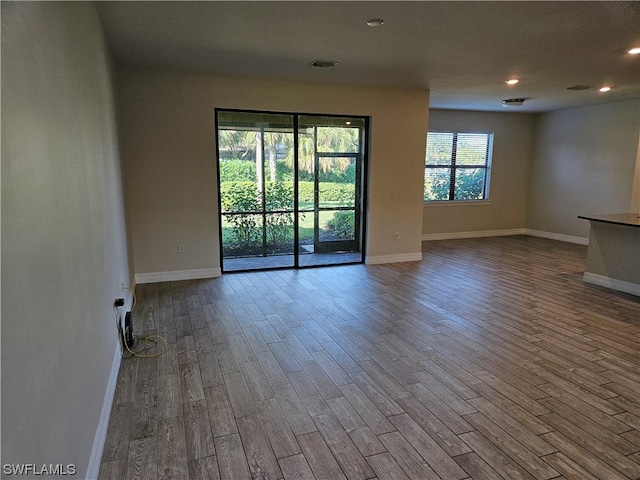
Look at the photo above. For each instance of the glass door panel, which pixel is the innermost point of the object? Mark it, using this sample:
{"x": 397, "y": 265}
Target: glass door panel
{"x": 290, "y": 189}
{"x": 331, "y": 153}
{"x": 256, "y": 190}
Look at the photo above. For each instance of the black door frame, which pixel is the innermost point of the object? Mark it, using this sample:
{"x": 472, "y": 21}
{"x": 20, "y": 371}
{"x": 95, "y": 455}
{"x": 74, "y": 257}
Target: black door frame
{"x": 361, "y": 186}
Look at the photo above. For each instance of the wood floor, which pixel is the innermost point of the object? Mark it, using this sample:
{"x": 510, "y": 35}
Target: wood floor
{"x": 489, "y": 359}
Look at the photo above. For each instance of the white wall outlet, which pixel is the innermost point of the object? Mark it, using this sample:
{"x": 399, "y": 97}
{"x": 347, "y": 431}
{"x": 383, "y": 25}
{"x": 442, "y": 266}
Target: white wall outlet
{"x": 181, "y": 248}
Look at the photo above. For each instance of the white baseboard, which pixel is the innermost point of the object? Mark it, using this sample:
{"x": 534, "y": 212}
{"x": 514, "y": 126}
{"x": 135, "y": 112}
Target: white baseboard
{"x": 403, "y": 257}
{"x": 500, "y": 233}
{"x": 612, "y": 283}
{"x": 103, "y": 424}
{"x": 178, "y": 275}
{"x": 557, "y": 236}
{"x": 482, "y": 233}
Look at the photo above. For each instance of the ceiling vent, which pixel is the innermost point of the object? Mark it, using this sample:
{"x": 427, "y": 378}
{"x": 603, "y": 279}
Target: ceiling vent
{"x": 513, "y": 102}
{"x": 580, "y": 87}
{"x": 322, "y": 64}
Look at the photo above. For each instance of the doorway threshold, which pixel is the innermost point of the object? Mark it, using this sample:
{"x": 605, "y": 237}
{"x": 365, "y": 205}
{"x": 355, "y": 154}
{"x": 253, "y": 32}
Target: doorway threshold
{"x": 244, "y": 264}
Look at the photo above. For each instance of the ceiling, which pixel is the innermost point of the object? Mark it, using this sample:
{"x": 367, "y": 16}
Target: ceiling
{"x": 461, "y": 51}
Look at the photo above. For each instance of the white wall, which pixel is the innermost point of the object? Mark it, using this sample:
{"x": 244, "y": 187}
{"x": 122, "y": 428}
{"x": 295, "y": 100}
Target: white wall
{"x": 512, "y": 148}
{"x": 64, "y": 253}
{"x": 167, "y": 130}
{"x": 583, "y": 164}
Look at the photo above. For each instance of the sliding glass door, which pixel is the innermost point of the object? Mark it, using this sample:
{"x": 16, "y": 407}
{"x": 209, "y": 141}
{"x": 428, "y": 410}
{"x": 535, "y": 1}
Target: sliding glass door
{"x": 291, "y": 189}
{"x": 330, "y": 161}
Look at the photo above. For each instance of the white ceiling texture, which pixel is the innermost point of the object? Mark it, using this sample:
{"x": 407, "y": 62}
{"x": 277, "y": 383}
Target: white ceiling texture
{"x": 461, "y": 51}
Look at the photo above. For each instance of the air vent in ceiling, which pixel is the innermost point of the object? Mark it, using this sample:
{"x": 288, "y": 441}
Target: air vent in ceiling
{"x": 580, "y": 87}
{"x": 323, "y": 64}
{"x": 513, "y": 102}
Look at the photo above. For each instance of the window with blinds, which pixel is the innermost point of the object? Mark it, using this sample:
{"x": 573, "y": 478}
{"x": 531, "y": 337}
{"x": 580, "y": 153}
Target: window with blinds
{"x": 457, "y": 166}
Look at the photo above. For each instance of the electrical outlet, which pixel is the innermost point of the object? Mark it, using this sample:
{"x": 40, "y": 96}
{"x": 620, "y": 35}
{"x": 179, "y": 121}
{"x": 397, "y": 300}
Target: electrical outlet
{"x": 396, "y": 236}
{"x": 181, "y": 248}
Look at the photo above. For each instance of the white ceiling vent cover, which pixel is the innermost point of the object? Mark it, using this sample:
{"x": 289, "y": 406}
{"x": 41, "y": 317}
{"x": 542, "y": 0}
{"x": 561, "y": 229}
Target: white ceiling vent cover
{"x": 513, "y": 102}
{"x": 323, "y": 64}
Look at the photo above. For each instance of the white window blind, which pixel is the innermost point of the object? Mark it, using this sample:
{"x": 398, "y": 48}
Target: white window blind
{"x": 457, "y": 166}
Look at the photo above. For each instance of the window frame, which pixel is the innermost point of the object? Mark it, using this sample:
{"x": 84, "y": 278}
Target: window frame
{"x": 454, "y": 168}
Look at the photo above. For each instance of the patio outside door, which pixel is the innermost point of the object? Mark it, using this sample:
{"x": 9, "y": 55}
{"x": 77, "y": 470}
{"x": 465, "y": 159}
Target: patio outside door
{"x": 290, "y": 189}
{"x": 331, "y": 156}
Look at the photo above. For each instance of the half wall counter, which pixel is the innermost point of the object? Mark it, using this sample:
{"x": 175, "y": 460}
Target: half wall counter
{"x": 613, "y": 255}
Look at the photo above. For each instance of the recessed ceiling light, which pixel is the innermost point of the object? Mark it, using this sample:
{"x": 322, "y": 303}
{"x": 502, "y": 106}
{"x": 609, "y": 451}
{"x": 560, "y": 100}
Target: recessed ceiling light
{"x": 375, "y": 22}
{"x": 512, "y": 81}
{"x": 634, "y": 51}
{"x": 605, "y": 89}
